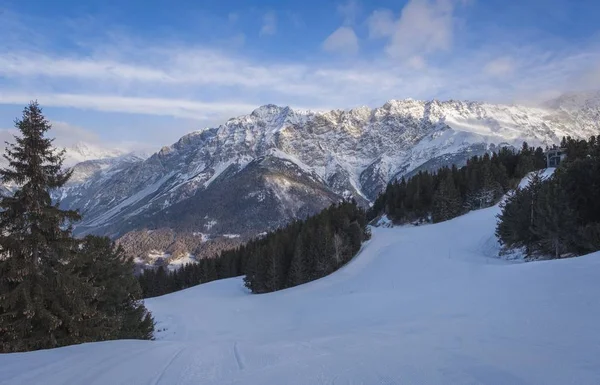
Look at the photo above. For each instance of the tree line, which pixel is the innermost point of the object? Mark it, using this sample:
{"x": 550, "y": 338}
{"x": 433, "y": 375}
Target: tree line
{"x": 295, "y": 254}
{"x": 452, "y": 191}
{"x": 56, "y": 290}
{"x": 557, "y": 216}
{"x": 160, "y": 281}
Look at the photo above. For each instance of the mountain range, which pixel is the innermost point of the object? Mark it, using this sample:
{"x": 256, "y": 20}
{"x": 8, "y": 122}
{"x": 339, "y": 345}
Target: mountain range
{"x": 222, "y": 185}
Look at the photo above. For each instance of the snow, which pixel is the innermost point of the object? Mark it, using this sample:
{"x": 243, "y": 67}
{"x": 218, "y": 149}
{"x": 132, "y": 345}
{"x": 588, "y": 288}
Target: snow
{"x": 231, "y": 236}
{"x": 186, "y": 259}
{"x": 203, "y": 237}
{"x": 419, "y": 305}
{"x": 544, "y": 174}
{"x": 153, "y": 255}
{"x": 150, "y": 189}
{"x": 384, "y": 221}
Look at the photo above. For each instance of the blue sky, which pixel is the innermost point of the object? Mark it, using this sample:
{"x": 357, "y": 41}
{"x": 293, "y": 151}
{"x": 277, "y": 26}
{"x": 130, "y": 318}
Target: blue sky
{"x": 143, "y": 73}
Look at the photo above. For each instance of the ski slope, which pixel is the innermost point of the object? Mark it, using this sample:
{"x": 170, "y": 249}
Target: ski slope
{"x": 419, "y": 305}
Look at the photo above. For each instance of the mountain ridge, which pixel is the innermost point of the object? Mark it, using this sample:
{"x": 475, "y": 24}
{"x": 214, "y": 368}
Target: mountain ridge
{"x": 280, "y": 155}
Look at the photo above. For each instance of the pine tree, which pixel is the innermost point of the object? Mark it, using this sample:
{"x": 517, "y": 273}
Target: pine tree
{"x": 42, "y": 302}
{"x": 117, "y": 292}
{"x": 446, "y": 203}
{"x": 297, "y": 273}
{"x": 554, "y": 220}
{"x": 526, "y": 161}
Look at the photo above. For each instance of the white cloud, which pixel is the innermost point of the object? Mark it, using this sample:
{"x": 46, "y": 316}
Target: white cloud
{"x": 149, "y": 106}
{"x": 349, "y": 11}
{"x": 424, "y": 27}
{"x": 343, "y": 40}
{"x": 269, "y": 26}
{"x": 205, "y": 84}
{"x": 500, "y": 67}
{"x": 208, "y": 84}
{"x": 381, "y": 23}
{"x": 417, "y": 62}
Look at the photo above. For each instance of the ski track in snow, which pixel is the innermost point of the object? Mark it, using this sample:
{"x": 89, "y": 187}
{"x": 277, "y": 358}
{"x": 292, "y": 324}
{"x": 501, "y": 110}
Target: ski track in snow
{"x": 418, "y": 305}
{"x": 167, "y": 366}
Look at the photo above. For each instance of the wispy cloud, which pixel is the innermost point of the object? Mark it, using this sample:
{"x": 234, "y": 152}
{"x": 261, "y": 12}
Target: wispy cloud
{"x": 269, "y": 26}
{"x": 500, "y": 67}
{"x": 343, "y": 40}
{"x": 140, "y": 105}
{"x": 123, "y": 73}
{"x": 424, "y": 27}
{"x": 350, "y": 11}
{"x": 381, "y": 23}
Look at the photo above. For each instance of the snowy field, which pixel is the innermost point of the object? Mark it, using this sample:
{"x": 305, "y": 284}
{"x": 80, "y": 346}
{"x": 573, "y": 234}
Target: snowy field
{"x": 420, "y": 305}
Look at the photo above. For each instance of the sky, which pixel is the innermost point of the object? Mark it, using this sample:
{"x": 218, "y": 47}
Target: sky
{"x": 139, "y": 74}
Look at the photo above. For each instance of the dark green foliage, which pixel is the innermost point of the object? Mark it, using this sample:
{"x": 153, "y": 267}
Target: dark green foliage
{"x": 451, "y": 191}
{"x": 117, "y": 293}
{"x": 305, "y": 251}
{"x": 156, "y": 282}
{"x": 48, "y": 294}
{"x": 446, "y": 200}
{"x": 41, "y": 303}
{"x": 559, "y": 216}
{"x": 298, "y": 253}
{"x": 517, "y": 215}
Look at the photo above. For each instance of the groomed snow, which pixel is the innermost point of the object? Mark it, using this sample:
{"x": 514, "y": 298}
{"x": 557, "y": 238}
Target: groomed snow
{"x": 419, "y": 305}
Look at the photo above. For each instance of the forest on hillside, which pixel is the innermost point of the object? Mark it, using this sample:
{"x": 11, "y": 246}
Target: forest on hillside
{"x": 558, "y": 216}
{"x": 295, "y": 254}
{"x": 452, "y": 191}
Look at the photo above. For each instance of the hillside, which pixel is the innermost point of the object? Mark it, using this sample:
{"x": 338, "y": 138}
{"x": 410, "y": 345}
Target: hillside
{"x": 419, "y": 305}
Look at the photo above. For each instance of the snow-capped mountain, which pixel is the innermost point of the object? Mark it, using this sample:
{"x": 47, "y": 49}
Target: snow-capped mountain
{"x": 259, "y": 171}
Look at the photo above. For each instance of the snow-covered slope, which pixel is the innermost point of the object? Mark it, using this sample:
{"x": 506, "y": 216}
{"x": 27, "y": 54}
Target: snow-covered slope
{"x": 419, "y": 305}
{"x": 301, "y": 161}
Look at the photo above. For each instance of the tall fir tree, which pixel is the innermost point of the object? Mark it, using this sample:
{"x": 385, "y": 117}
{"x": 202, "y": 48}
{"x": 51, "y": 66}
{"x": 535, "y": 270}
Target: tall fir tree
{"x": 56, "y": 290}
{"x": 42, "y": 302}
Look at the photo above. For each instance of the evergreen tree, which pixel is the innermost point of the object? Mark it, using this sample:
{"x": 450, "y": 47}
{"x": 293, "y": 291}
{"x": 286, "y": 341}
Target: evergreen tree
{"x": 297, "y": 273}
{"x": 446, "y": 201}
{"x": 554, "y": 220}
{"x": 42, "y": 302}
{"x": 526, "y": 161}
{"x": 117, "y": 293}
{"x": 560, "y": 215}
{"x": 518, "y": 216}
